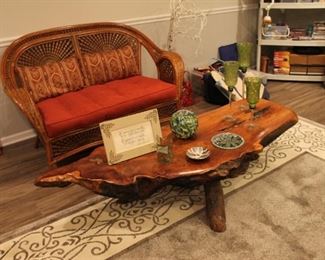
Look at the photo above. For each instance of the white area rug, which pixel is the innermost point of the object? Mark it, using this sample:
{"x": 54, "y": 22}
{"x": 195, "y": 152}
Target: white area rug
{"x": 106, "y": 228}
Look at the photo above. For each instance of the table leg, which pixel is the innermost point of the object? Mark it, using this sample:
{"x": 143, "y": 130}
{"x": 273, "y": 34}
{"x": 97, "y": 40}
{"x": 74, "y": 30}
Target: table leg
{"x": 215, "y": 207}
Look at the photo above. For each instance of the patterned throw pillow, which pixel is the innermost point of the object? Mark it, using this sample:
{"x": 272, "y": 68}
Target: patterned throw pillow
{"x": 52, "y": 79}
{"x": 110, "y": 65}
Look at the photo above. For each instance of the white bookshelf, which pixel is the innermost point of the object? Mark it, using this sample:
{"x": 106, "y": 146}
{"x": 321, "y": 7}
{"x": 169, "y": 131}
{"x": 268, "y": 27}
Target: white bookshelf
{"x": 314, "y": 5}
{"x": 316, "y": 78}
{"x": 290, "y": 42}
{"x": 267, "y": 43}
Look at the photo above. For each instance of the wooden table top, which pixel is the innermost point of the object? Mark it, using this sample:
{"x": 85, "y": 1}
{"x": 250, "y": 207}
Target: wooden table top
{"x": 273, "y": 120}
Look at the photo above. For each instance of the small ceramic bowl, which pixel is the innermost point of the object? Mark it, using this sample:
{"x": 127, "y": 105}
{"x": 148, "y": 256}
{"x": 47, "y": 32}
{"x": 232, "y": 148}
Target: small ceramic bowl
{"x": 198, "y": 153}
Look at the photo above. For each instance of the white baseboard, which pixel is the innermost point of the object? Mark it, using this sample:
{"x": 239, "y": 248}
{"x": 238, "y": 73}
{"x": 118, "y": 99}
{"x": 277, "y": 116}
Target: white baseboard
{"x": 18, "y": 137}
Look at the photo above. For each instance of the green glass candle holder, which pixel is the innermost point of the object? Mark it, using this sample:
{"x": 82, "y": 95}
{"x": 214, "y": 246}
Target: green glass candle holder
{"x": 253, "y": 87}
{"x": 244, "y": 50}
{"x": 231, "y": 73}
{"x": 230, "y": 76}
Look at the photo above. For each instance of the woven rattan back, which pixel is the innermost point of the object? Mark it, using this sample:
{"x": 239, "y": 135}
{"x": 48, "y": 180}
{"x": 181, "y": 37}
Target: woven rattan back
{"x": 47, "y": 51}
{"x": 36, "y": 49}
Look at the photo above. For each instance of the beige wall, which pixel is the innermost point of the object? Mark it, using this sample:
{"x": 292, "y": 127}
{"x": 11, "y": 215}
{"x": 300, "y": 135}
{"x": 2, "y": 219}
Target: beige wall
{"x": 227, "y": 23}
{"x": 19, "y": 17}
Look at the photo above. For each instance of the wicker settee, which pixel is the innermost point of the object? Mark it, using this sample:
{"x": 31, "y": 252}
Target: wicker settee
{"x": 67, "y": 80}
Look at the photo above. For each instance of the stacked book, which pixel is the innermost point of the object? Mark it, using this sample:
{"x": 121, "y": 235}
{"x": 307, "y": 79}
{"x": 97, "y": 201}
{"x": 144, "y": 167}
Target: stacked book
{"x": 281, "y": 62}
{"x": 319, "y": 30}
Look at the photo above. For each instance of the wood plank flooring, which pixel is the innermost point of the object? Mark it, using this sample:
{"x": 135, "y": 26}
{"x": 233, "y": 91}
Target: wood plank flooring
{"x": 307, "y": 99}
{"x": 22, "y": 203}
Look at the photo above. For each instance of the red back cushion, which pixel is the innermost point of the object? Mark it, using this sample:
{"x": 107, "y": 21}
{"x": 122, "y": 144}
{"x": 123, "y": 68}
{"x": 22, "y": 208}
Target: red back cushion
{"x": 110, "y": 65}
{"x": 52, "y": 79}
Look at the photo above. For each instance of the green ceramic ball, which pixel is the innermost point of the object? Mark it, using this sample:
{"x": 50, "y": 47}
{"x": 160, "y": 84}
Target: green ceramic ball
{"x": 184, "y": 123}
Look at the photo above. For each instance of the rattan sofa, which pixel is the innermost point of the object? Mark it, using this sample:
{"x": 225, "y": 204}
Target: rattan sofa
{"x": 52, "y": 49}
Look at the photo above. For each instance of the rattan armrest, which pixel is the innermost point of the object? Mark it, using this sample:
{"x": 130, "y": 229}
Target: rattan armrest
{"x": 23, "y": 100}
{"x": 171, "y": 69}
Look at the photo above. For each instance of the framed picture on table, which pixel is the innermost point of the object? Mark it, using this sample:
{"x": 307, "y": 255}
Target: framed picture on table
{"x": 131, "y": 136}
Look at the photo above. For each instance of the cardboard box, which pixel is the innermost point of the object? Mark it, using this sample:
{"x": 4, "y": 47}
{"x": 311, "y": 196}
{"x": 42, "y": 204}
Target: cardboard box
{"x": 316, "y": 59}
{"x": 298, "y": 70}
{"x": 316, "y": 70}
{"x": 298, "y": 59}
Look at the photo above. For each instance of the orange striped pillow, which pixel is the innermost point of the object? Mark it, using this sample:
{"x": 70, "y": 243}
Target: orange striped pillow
{"x": 110, "y": 65}
{"x": 52, "y": 79}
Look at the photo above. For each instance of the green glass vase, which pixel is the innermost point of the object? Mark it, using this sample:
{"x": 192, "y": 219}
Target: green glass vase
{"x": 253, "y": 86}
{"x": 231, "y": 74}
{"x": 244, "y": 50}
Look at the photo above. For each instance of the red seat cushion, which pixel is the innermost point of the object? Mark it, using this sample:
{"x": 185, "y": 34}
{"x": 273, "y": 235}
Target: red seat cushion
{"x": 94, "y": 104}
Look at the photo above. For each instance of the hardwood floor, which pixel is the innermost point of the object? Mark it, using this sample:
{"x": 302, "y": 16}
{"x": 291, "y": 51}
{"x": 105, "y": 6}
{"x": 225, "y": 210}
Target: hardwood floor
{"x": 307, "y": 99}
{"x": 22, "y": 203}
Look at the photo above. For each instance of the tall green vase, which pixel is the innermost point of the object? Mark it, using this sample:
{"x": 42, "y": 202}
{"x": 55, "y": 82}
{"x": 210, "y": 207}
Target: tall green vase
{"x": 244, "y": 50}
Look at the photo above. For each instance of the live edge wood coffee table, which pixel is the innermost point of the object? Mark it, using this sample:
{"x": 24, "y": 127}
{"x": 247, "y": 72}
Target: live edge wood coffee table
{"x": 138, "y": 178}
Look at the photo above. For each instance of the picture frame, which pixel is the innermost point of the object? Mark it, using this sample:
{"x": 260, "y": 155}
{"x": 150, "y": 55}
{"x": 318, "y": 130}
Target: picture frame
{"x": 131, "y": 136}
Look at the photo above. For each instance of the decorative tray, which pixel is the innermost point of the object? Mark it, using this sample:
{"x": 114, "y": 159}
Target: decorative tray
{"x": 227, "y": 141}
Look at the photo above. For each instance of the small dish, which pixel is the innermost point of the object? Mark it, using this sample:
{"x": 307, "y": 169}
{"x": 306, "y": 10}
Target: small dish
{"x": 198, "y": 153}
{"x": 227, "y": 141}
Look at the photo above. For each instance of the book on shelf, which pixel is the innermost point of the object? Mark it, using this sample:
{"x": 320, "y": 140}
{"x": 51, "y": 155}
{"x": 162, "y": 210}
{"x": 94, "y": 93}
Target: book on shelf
{"x": 319, "y": 23}
{"x": 303, "y": 38}
{"x": 318, "y": 37}
{"x": 319, "y": 28}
